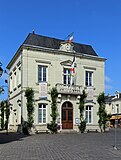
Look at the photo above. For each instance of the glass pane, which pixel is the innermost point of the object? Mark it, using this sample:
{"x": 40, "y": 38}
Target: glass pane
{"x": 40, "y": 106}
{"x": 86, "y": 107}
{"x": 90, "y": 78}
{"x": 69, "y": 105}
{"x": 90, "y": 117}
{"x": 89, "y": 107}
{"x": 40, "y": 115}
{"x": 64, "y": 115}
{"x": 39, "y": 73}
{"x": 86, "y": 116}
{"x": 69, "y": 71}
{"x": 64, "y": 71}
{"x": 44, "y": 74}
{"x": 64, "y": 79}
{"x": 44, "y": 106}
{"x": 44, "y": 120}
{"x": 44, "y": 112}
{"x": 68, "y": 79}
{"x": 86, "y": 79}
{"x": 70, "y": 116}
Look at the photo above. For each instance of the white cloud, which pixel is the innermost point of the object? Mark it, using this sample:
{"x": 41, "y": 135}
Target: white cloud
{"x": 108, "y": 87}
{"x": 108, "y": 83}
{"x": 108, "y": 79}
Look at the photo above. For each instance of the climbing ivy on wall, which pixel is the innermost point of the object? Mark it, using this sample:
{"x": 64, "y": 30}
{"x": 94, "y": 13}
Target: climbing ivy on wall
{"x": 2, "y": 115}
{"x": 53, "y": 125}
{"x": 29, "y": 94}
{"x": 82, "y": 125}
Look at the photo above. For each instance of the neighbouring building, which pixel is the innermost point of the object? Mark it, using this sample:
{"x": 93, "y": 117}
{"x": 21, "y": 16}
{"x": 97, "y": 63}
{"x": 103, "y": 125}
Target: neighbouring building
{"x": 116, "y": 108}
{"x": 108, "y": 103}
{"x": 42, "y": 63}
{"x": 113, "y": 107}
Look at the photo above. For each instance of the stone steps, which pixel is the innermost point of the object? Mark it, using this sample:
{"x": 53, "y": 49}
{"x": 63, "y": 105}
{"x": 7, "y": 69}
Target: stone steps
{"x": 68, "y": 131}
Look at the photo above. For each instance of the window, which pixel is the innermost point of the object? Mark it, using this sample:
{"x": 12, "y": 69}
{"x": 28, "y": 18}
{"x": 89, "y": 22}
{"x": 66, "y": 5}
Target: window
{"x": 11, "y": 84}
{"x": 19, "y": 75}
{"x": 88, "y": 114}
{"x": 117, "y": 108}
{"x": 66, "y": 78}
{"x": 88, "y": 80}
{"x": 42, "y": 113}
{"x": 14, "y": 81}
{"x": 42, "y": 73}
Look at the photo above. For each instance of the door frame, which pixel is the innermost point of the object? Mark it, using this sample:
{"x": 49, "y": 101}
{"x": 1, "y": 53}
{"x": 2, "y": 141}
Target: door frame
{"x": 68, "y": 108}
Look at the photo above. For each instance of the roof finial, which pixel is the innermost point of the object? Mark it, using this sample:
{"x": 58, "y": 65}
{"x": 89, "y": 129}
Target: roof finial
{"x": 33, "y": 31}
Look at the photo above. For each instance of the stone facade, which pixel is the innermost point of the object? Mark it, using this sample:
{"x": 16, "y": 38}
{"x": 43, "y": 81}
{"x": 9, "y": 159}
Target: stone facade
{"x": 34, "y": 66}
{"x": 113, "y": 107}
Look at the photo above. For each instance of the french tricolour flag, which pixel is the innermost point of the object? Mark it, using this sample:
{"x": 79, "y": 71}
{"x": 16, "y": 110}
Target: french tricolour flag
{"x": 72, "y": 68}
{"x": 71, "y": 38}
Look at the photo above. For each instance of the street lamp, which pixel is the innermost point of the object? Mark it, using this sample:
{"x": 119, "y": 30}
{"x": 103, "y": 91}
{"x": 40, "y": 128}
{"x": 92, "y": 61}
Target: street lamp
{"x": 7, "y": 109}
{"x": 116, "y": 124}
{"x": 2, "y": 90}
{"x": 1, "y": 70}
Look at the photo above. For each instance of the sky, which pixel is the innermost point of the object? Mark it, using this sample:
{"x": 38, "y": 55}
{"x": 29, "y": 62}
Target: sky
{"x": 94, "y": 22}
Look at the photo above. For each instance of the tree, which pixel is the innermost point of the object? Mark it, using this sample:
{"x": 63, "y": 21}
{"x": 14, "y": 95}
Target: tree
{"x": 29, "y": 94}
{"x": 82, "y": 125}
{"x": 7, "y": 114}
{"x": 2, "y": 115}
{"x": 53, "y": 125}
{"x": 103, "y": 117}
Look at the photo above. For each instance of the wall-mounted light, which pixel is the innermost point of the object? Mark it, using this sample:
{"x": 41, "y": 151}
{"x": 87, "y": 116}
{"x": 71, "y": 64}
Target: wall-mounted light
{"x": 2, "y": 90}
{"x": 59, "y": 98}
{"x": 78, "y": 99}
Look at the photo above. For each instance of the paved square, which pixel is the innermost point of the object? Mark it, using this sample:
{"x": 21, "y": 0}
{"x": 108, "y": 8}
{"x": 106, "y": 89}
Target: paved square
{"x": 88, "y": 146}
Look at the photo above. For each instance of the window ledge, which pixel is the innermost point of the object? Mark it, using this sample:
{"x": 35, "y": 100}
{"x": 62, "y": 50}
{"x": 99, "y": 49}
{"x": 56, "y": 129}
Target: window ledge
{"x": 86, "y": 87}
{"x": 42, "y": 124}
{"x": 19, "y": 85}
{"x": 37, "y": 83}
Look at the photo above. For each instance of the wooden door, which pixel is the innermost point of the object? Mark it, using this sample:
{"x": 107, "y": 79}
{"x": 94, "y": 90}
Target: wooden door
{"x": 67, "y": 116}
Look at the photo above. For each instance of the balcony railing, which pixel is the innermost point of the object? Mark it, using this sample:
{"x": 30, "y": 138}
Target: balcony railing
{"x": 69, "y": 89}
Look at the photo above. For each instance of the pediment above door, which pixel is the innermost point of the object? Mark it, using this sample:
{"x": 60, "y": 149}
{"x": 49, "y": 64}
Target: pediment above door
{"x": 66, "y": 63}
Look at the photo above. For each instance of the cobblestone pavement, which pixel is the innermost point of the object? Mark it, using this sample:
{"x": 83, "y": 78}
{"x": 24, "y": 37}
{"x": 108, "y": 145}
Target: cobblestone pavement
{"x": 88, "y": 146}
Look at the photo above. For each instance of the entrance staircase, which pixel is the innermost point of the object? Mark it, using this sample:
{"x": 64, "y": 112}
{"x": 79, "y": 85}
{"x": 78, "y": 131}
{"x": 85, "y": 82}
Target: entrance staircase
{"x": 68, "y": 131}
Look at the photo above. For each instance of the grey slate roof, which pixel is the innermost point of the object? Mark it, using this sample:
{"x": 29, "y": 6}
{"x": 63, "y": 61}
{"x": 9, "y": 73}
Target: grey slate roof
{"x": 119, "y": 95}
{"x": 47, "y": 42}
{"x": 108, "y": 99}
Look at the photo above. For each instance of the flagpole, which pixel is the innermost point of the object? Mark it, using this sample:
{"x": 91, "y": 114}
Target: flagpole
{"x": 72, "y": 70}
{"x": 71, "y": 34}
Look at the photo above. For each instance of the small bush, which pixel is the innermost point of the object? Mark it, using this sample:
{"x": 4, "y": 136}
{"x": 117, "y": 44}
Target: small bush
{"x": 82, "y": 126}
{"x": 52, "y": 127}
{"x": 25, "y": 128}
{"x": 2, "y": 115}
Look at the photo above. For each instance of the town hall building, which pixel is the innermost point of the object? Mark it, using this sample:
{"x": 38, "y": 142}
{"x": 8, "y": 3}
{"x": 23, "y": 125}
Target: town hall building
{"x": 42, "y": 63}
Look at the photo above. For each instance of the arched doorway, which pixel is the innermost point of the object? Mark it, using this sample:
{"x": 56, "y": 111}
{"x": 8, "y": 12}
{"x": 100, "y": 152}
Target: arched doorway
{"x": 67, "y": 115}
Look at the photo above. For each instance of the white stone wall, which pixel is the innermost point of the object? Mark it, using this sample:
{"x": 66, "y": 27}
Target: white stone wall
{"x": 30, "y": 59}
{"x": 116, "y": 106}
